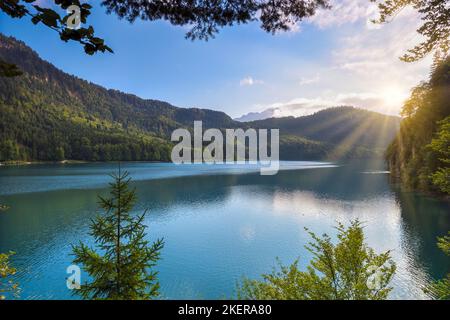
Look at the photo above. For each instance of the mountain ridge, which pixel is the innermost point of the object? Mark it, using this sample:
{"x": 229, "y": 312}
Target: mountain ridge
{"x": 47, "y": 114}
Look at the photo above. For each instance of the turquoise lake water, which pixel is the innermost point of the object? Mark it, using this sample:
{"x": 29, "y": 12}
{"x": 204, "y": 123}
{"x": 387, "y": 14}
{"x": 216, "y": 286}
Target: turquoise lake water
{"x": 220, "y": 223}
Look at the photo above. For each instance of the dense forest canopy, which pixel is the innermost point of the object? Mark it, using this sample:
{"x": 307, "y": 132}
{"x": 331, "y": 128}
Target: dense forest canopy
{"x": 419, "y": 155}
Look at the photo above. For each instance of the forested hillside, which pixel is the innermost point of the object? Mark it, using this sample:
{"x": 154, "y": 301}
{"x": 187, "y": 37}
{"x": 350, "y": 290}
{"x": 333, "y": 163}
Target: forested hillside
{"x": 46, "y": 114}
{"x": 340, "y": 125}
{"x": 420, "y": 154}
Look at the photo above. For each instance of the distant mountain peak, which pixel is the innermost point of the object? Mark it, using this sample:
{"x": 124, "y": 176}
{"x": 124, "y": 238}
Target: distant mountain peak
{"x": 290, "y": 110}
{"x": 253, "y": 116}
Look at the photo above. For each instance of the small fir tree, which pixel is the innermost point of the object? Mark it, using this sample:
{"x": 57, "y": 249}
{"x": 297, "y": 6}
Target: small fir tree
{"x": 121, "y": 268}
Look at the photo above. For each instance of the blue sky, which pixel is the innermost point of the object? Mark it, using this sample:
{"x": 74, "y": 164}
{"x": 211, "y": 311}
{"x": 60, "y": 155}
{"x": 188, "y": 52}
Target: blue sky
{"x": 335, "y": 58}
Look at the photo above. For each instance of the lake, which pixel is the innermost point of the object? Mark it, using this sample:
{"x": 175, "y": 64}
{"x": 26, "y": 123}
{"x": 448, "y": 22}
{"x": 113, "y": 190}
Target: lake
{"x": 219, "y": 223}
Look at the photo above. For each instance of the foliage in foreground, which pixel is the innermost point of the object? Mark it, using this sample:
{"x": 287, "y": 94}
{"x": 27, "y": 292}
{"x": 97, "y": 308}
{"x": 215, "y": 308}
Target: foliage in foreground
{"x": 7, "y": 285}
{"x": 204, "y": 18}
{"x": 349, "y": 270}
{"x": 43, "y": 13}
{"x": 441, "y": 289}
{"x": 434, "y": 29}
{"x": 121, "y": 268}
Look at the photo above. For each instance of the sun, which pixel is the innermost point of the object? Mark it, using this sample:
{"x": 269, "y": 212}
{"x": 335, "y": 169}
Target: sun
{"x": 393, "y": 97}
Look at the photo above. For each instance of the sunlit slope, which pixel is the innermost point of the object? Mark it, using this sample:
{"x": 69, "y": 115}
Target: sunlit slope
{"x": 345, "y": 131}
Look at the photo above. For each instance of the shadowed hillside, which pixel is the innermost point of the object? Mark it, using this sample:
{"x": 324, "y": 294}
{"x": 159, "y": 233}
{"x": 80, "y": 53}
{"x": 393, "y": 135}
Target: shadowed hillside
{"x": 339, "y": 125}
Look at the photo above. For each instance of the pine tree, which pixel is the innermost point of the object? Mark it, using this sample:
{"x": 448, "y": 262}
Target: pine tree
{"x": 121, "y": 269}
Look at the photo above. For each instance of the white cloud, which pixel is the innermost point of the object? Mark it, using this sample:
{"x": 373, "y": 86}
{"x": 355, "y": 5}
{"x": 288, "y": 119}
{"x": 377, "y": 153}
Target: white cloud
{"x": 249, "y": 81}
{"x": 307, "y": 81}
{"x": 383, "y": 101}
{"x": 365, "y": 100}
{"x": 372, "y": 55}
{"x": 44, "y": 3}
{"x": 300, "y": 107}
{"x": 295, "y": 107}
{"x": 362, "y": 67}
{"x": 343, "y": 12}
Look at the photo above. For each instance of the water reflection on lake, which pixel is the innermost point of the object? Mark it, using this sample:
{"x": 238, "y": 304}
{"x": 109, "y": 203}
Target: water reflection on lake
{"x": 219, "y": 223}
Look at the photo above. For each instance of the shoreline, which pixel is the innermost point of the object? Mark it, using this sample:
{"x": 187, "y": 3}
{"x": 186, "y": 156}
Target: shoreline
{"x": 68, "y": 161}
{"x": 27, "y": 163}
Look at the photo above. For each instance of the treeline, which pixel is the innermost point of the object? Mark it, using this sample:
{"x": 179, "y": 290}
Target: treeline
{"x": 294, "y": 148}
{"x": 420, "y": 154}
{"x": 46, "y": 134}
{"x": 76, "y": 142}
